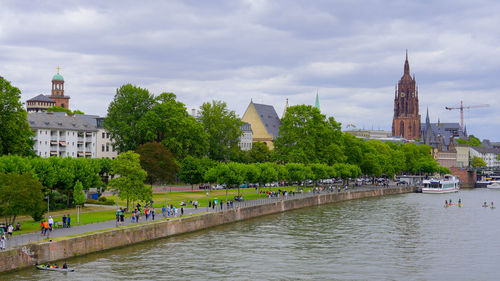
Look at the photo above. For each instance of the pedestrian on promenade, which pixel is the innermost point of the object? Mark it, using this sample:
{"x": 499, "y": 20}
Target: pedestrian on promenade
{"x": 176, "y": 212}
{"x": 45, "y": 227}
{"x": 122, "y": 217}
{"x": 163, "y": 210}
{"x": 209, "y": 204}
{"x": 146, "y": 213}
{"x": 196, "y": 204}
{"x": 168, "y": 211}
{"x": 51, "y": 223}
{"x": 2, "y": 241}
{"x": 64, "y": 218}
{"x": 221, "y": 204}
{"x": 42, "y": 228}
{"x": 68, "y": 224}
{"x": 132, "y": 219}
{"x": 182, "y": 211}
{"x": 10, "y": 229}
{"x": 153, "y": 214}
{"x": 117, "y": 216}
{"x": 232, "y": 204}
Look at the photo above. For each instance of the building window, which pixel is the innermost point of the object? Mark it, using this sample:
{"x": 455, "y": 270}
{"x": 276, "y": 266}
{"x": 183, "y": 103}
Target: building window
{"x": 103, "y": 147}
{"x": 107, "y": 135}
{"x": 103, "y": 134}
{"x": 107, "y": 147}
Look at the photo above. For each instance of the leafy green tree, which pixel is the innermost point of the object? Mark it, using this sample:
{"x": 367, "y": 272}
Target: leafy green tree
{"x": 319, "y": 171}
{"x": 158, "y": 162}
{"x": 477, "y": 162}
{"x": 168, "y": 122}
{"x": 125, "y": 112}
{"x": 252, "y": 173}
{"x": 259, "y": 153}
{"x": 130, "y": 183}
{"x": 16, "y": 136}
{"x": 307, "y": 136}
{"x": 223, "y": 129}
{"x": 192, "y": 170}
{"x": 78, "y": 194}
{"x": 20, "y": 194}
{"x": 62, "y": 109}
{"x": 296, "y": 172}
{"x": 268, "y": 173}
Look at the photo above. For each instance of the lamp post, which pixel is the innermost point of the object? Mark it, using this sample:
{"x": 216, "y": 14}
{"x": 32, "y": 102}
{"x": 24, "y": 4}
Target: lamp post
{"x": 207, "y": 200}
{"x": 165, "y": 190}
{"x": 48, "y": 212}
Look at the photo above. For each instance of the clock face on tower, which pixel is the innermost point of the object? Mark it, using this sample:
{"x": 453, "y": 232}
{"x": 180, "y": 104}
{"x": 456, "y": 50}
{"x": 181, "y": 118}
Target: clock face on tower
{"x": 402, "y": 94}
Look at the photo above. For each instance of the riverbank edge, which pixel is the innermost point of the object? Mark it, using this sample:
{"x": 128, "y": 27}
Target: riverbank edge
{"x": 68, "y": 247}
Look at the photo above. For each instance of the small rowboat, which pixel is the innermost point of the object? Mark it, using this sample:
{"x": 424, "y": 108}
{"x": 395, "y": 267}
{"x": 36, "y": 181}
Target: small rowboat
{"x": 43, "y": 267}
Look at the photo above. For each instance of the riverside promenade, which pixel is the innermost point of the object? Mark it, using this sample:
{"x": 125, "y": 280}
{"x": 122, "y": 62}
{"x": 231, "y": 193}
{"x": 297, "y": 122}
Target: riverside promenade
{"x": 23, "y": 239}
{"x": 102, "y": 236}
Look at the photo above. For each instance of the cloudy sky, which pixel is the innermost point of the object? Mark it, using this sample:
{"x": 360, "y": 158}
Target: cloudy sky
{"x": 350, "y": 52}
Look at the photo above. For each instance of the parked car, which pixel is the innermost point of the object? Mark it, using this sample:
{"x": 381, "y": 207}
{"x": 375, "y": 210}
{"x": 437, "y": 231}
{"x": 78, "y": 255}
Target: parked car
{"x": 204, "y": 186}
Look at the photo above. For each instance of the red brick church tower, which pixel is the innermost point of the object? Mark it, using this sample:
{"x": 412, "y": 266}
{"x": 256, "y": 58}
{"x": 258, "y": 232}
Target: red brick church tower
{"x": 406, "y": 121}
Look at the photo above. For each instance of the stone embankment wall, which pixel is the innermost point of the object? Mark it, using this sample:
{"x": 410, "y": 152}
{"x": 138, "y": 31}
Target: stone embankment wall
{"x": 89, "y": 243}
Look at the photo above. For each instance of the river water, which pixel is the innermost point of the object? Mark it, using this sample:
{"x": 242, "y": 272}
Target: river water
{"x": 401, "y": 237}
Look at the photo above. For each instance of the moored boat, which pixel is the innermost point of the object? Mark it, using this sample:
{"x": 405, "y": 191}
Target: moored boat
{"x": 44, "y": 267}
{"x": 447, "y": 184}
{"x": 495, "y": 185}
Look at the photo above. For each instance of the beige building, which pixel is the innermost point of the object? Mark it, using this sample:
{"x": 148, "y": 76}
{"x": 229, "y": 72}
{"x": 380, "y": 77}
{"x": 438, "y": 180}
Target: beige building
{"x": 264, "y": 122}
{"x": 462, "y": 155}
{"x": 370, "y": 134}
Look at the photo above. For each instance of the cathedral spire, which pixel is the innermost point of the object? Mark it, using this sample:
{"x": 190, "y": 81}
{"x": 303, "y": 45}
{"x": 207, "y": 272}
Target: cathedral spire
{"x": 407, "y": 65}
{"x": 427, "y": 120}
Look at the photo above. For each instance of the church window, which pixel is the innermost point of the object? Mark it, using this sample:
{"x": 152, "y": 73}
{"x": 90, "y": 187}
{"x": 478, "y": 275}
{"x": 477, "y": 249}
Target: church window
{"x": 402, "y": 129}
{"x": 103, "y": 147}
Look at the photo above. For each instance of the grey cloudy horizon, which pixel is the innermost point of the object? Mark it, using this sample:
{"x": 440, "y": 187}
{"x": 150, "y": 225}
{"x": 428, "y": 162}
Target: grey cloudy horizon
{"x": 350, "y": 52}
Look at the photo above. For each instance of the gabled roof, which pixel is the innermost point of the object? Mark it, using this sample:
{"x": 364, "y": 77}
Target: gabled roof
{"x": 246, "y": 127}
{"x": 58, "y": 120}
{"x": 269, "y": 118}
{"x": 42, "y": 98}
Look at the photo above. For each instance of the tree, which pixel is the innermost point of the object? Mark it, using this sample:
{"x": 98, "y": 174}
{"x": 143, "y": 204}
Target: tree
{"x": 268, "y": 173}
{"x": 307, "y": 136}
{"x": 223, "y": 129}
{"x": 158, "y": 162}
{"x": 125, "y": 112}
{"x": 168, "y": 122}
{"x": 16, "y": 133}
{"x": 78, "y": 194}
{"x": 62, "y": 109}
{"x": 296, "y": 172}
{"x": 130, "y": 183}
{"x": 259, "y": 153}
{"x": 20, "y": 194}
{"x": 477, "y": 162}
{"x": 319, "y": 171}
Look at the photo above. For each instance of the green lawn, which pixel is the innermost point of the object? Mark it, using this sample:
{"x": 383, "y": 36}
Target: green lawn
{"x": 175, "y": 198}
{"x": 85, "y": 218}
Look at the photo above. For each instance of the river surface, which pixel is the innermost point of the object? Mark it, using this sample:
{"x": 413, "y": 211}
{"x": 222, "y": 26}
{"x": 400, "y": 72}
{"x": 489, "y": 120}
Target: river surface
{"x": 401, "y": 237}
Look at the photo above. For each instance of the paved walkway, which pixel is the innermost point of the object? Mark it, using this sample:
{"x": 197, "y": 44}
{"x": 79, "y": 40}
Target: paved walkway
{"x": 19, "y": 240}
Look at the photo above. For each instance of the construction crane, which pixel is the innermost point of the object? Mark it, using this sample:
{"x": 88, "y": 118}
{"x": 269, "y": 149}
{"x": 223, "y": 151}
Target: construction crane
{"x": 462, "y": 110}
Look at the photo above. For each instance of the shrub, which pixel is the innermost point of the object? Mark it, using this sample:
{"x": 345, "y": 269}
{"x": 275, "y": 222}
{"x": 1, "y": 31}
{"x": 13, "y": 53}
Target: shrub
{"x": 102, "y": 199}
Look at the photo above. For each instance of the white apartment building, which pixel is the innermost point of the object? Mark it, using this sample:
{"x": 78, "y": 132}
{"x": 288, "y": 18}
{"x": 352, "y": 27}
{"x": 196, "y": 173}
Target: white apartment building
{"x": 489, "y": 155}
{"x": 57, "y": 134}
{"x": 246, "y": 137}
{"x": 104, "y": 142}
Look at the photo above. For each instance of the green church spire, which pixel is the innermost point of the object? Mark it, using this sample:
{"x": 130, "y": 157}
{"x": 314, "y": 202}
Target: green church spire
{"x": 317, "y": 101}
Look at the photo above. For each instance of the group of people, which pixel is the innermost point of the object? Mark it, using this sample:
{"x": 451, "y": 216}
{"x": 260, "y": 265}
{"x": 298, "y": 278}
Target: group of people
{"x": 48, "y": 225}
{"x": 485, "y": 205}
{"x": 172, "y": 210}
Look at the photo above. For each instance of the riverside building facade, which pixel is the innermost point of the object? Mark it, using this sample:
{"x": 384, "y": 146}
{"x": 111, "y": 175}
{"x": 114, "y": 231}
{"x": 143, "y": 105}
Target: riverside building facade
{"x": 57, "y": 134}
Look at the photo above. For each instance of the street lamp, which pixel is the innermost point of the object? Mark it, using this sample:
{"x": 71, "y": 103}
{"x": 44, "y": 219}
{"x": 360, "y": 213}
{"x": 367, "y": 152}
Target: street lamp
{"x": 48, "y": 211}
{"x": 207, "y": 201}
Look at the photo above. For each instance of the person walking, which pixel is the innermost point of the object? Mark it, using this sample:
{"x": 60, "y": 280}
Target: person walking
{"x": 153, "y": 214}
{"x": 64, "y": 218}
{"x": 221, "y": 204}
{"x": 10, "y": 229}
{"x": 163, "y": 210}
{"x": 51, "y": 223}
{"x": 68, "y": 223}
{"x": 122, "y": 217}
{"x": 182, "y": 211}
{"x": 45, "y": 227}
{"x": 42, "y": 228}
{"x": 2, "y": 241}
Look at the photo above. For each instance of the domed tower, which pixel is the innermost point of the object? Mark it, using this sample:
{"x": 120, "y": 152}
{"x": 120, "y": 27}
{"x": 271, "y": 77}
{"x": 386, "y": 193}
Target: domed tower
{"x": 406, "y": 121}
{"x": 57, "y": 94}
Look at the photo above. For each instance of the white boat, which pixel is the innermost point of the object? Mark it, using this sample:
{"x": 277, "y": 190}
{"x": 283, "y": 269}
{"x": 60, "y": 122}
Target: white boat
{"x": 494, "y": 185}
{"x": 447, "y": 184}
